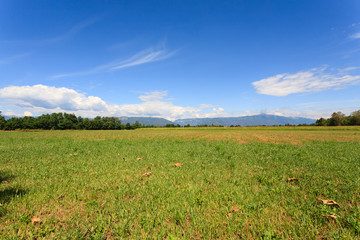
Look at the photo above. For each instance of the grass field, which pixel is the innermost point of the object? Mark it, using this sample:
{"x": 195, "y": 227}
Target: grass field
{"x": 232, "y": 183}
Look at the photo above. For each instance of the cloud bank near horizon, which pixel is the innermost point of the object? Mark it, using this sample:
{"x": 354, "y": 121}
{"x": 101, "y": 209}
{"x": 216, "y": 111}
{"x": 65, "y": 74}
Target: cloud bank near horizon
{"x": 313, "y": 80}
{"x": 40, "y": 99}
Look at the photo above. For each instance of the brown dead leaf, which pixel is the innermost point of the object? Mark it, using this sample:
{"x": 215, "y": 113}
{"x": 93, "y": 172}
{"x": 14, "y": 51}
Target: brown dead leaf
{"x": 5, "y": 181}
{"x": 59, "y": 196}
{"x": 198, "y": 237}
{"x": 229, "y": 215}
{"x": 329, "y": 202}
{"x": 35, "y": 220}
{"x": 235, "y": 209}
{"x": 330, "y": 217}
{"x": 176, "y": 164}
{"x": 138, "y": 158}
{"x": 146, "y": 174}
{"x": 292, "y": 180}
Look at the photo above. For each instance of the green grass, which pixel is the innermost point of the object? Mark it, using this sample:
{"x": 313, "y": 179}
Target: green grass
{"x": 90, "y": 187}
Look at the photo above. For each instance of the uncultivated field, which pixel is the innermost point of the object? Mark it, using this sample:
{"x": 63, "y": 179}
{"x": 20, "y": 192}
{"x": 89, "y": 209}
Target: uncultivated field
{"x": 194, "y": 183}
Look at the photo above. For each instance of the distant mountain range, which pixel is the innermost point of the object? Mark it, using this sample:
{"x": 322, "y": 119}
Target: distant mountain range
{"x": 255, "y": 120}
{"x": 146, "y": 120}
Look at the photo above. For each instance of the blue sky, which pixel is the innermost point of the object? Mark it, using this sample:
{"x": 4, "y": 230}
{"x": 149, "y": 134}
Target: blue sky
{"x": 180, "y": 59}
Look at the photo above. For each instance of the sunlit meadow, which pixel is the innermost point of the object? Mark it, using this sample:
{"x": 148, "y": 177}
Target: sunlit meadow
{"x": 196, "y": 183}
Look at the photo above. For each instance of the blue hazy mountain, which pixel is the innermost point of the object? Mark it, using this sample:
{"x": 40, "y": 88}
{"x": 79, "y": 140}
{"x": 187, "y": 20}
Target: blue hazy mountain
{"x": 256, "y": 120}
{"x": 146, "y": 120}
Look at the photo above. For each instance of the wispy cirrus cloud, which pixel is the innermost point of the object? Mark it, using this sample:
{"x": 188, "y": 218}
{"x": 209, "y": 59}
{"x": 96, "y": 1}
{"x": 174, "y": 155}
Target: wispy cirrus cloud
{"x": 313, "y": 80}
{"x": 71, "y": 32}
{"x": 61, "y": 37}
{"x": 9, "y": 59}
{"x": 143, "y": 57}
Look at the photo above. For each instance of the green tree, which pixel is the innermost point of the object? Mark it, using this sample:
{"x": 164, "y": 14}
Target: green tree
{"x": 2, "y": 122}
{"x": 96, "y": 123}
{"x": 337, "y": 119}
{"x": 29, "y": 122}
{"x": 54, "y": 120}
{"x": 14, "y": 123}
{"x": 67, "y": 121}
{"x": 321, "y": 122}
{"x": 111, "y": 123}
{"x": 87, "y": 124}
{"x": 128, "y": 126}
{"x": 43, "y": 122}
{"x": 354, "y": 118}
{"x": 136, "y": 125}
{"x": 80, "y": 123}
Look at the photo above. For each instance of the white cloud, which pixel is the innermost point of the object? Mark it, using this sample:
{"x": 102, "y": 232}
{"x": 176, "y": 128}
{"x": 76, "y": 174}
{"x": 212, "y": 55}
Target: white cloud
{"x": 28, "y": 114}
{"x": 40, "y": 99}
{"x": 51, "y": 98}
{"x": 153, "y": 96}
{"x": 313, "y": 80}
{"x": 12, "y": 113}
{"x": 309, "y": 113}
{"x": 143, "y": 57}
{"x": 355, "y": 36}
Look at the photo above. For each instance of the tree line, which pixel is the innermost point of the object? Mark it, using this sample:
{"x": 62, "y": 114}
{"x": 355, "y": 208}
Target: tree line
{"x": 340, "y": 119}
{"x": 62, "y": 121}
